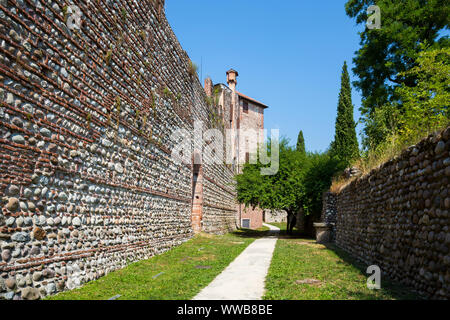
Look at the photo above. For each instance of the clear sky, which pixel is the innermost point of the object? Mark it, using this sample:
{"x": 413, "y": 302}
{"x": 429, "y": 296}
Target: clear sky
{"x": 289, "y": 55}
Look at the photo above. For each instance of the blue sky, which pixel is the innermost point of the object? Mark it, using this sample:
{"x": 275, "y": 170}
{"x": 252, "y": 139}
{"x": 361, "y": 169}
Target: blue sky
{"x": 289, "y": 55}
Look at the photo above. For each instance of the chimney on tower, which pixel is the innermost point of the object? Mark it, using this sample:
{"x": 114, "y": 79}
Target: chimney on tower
{"x": 209, "y": 87}
{"x": 232, "y": 79}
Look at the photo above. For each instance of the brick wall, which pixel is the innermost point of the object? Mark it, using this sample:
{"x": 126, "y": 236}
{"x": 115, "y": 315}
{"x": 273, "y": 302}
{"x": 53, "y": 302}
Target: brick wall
{"x": 253, "y": 119}
{"x": 255, "y": 216}
{"x": 87, "y": 183}
{"x": 397, "y": 217}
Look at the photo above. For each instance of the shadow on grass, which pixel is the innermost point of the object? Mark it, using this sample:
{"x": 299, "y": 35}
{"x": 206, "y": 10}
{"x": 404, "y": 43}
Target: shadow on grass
{"x": 249, "y": 233}
{"x": 282, "y": 234}
{"x": 296, "y": 234}
{"x": 388, "y": 286}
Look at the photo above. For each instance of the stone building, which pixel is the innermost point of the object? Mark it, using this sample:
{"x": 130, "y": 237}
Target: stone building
{"x": 245, "y": 115}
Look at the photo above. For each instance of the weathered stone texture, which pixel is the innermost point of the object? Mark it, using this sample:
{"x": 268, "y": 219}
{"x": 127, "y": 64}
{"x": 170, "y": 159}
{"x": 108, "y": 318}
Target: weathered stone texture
{"x": 329, "y": 213}
{"x": 397, "y": 217}
{"x": 275, "y": 216}
{"x": 87, "y": 183}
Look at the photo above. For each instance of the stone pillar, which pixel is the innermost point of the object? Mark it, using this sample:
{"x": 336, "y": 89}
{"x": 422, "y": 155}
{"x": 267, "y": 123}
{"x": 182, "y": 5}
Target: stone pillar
{"x": 197, "y": 196}
{"x": 322, "y": 232}
{"x": 329, "y": 213}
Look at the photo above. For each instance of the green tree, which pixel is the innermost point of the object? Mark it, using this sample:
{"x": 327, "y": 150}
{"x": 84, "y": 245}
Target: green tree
{"x": 299, "y": 184}
{"x": 383, "y": 122}
{"x": 345, "y": 144}
{"x": 282, "y": 191}
{"x": 427, "y": 104}
{"x": 387, "y": 54}
{"x": 317, "y": 179}
{"x": 301, "y": 143}
{"x": 424, "y": 109}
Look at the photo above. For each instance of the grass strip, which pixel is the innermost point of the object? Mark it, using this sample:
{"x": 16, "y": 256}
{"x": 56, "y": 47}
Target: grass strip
{"x": 177, "y": 275}
{"x": 304, "y": 270}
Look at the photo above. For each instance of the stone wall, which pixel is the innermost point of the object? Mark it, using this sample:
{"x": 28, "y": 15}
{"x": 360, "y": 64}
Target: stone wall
{"x": 397, "y": 217}
{"x": 275, "y": 216}
{"x": 329, "y": 213}
{"x": 87, "y": 182}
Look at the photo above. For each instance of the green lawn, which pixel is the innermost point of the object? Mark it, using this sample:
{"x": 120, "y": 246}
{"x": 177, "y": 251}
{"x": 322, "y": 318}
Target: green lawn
{"x": 334, "y": 274}
{"x": 187, "y": 269}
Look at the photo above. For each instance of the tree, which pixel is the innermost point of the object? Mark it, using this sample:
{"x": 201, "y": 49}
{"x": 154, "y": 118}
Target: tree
{"x": 387, "y": 54}
{"x": 345, "y": 144}
{"x": 383, "y": 122}
{"x": 317, "y": 179}
{"x": 424, "y": 109}
{"x": 301, "y": 143}
{"x": 283, "y": 191}
{"x": 427, "y": 104}
{"x": 299, "y": 184}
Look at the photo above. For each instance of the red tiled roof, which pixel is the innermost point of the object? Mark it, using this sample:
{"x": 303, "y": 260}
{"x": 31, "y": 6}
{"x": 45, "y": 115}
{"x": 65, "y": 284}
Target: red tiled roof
{"x": 252, "y": 100}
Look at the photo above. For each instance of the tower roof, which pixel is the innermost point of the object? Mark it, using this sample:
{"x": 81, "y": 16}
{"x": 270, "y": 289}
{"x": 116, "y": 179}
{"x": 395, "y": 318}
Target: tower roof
{"x": 252, "y": 100}
{"x": 232, "y": 70}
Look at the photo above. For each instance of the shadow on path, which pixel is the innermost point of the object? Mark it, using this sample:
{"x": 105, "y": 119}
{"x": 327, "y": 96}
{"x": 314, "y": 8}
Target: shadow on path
{"x": 249, "y": 233}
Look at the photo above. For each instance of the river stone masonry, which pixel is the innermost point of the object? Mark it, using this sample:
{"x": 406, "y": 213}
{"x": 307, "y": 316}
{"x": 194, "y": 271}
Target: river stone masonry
{"x": 87, "y": 182}
{"x": 329, "y": 213}
{"x": 397, "y": 217}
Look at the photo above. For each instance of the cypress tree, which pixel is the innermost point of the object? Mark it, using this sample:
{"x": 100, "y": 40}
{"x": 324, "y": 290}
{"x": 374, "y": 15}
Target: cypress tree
{"x": 301, "y": 143}
{"x": 345, "y": 146}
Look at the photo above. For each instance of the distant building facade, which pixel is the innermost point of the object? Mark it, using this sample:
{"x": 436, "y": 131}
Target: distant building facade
{"x": 239, "y": 111}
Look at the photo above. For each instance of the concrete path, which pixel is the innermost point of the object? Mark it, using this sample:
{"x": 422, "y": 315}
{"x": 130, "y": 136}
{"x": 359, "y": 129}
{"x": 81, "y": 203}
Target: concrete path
{"x": 244, "y": 278}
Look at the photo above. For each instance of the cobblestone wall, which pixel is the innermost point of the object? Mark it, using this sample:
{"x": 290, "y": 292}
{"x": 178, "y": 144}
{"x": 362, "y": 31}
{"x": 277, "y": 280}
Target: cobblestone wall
{"x": 275, "y": 216}
{"x": 87, "y": 183}
{"x": 397, "y": 217}
{"x": 329, "y": 213}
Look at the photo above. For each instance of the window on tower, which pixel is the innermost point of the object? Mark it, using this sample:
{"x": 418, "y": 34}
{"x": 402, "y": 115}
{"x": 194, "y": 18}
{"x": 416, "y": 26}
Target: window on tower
{"x": 245, "y": 107}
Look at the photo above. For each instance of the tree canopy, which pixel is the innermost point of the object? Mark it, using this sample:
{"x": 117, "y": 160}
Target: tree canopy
{"x": 282, "y": 191}
{"x": 424, "y": 108}
{"x": 299, "y": 184}
{"x": 427, "y": 104}
{"x": 387, "y": 54}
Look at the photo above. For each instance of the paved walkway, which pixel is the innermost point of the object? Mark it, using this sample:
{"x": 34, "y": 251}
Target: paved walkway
{"x": 245, "y": 277}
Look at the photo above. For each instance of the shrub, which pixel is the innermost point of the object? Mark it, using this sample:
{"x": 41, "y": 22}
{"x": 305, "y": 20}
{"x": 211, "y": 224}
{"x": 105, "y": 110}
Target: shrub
{"x": 192, "y": 68}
